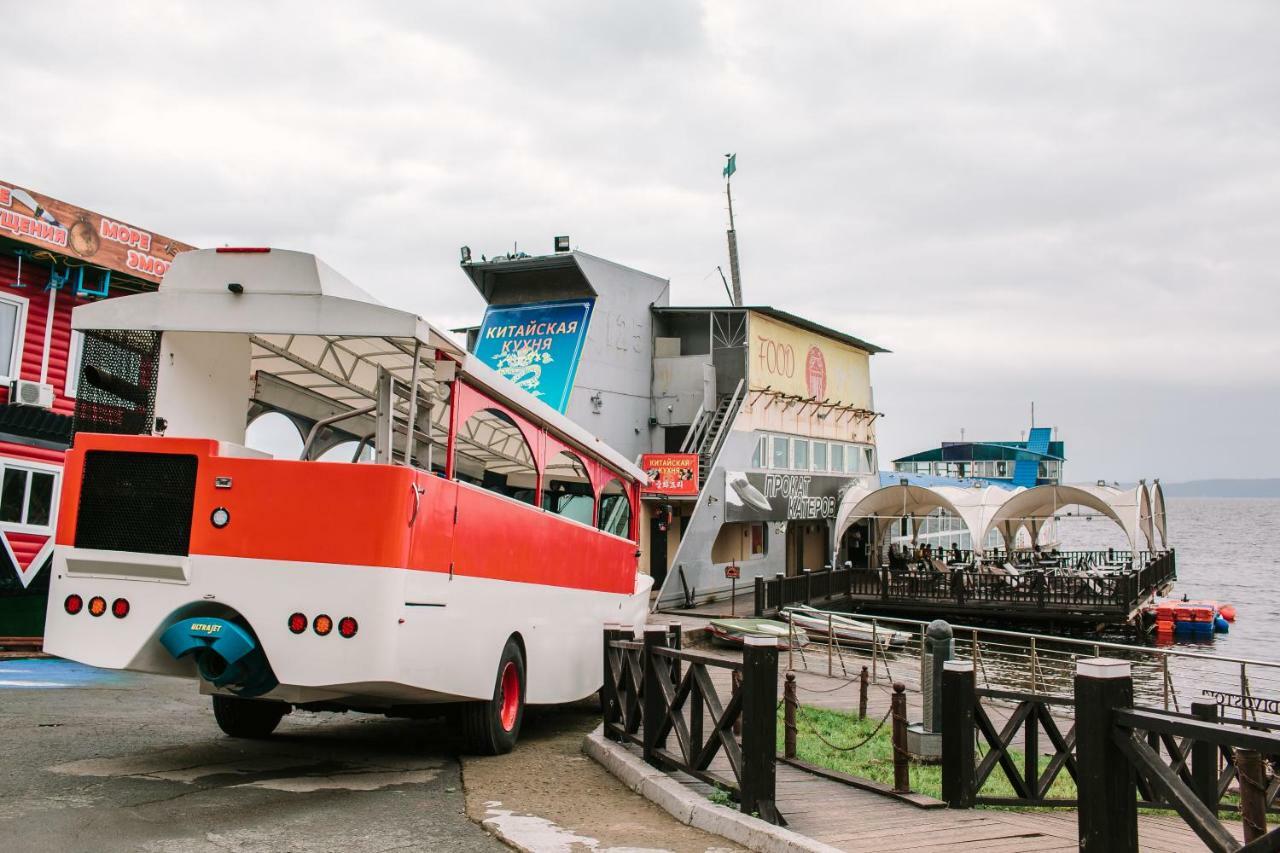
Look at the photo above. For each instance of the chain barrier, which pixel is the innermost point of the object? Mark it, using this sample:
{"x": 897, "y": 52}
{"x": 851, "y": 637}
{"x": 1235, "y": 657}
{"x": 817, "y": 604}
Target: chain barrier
{"x": 839, "y": 748}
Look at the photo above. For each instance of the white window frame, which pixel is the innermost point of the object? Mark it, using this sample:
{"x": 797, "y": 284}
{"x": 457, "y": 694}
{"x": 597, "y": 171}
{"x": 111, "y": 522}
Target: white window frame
{"x": 75, "y": 355}
{"x": 33, "y": 468}
{"x": 14, "y": 368}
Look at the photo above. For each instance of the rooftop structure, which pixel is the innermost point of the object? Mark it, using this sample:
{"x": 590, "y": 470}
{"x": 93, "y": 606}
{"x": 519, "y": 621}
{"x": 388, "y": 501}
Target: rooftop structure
{"x": 1036, "y": 461}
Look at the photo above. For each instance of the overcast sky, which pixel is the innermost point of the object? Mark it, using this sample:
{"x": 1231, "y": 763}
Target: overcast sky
{"x": 1075, "y": 203}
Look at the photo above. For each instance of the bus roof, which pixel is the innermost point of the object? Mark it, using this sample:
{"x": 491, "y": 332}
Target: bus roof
{"x": 300, "y": 312}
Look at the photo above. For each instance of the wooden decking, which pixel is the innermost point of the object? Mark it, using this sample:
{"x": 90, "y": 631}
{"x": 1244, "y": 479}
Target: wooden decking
{"x": 855, "y": 820}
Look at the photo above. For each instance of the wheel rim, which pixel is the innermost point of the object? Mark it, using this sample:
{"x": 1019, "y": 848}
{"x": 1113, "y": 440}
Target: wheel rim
{"x": 510, "y": 696}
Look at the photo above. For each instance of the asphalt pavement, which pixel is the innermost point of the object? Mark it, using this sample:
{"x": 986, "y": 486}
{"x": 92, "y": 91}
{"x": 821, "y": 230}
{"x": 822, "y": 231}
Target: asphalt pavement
{"x": 99, "y": 761}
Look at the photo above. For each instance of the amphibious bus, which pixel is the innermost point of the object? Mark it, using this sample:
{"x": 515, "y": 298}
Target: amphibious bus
{"x": 460, "y": 543}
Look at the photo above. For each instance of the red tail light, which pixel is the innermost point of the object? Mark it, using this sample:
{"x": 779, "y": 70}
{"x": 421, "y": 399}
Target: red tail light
{"x": 74, "y": 604}
{"x": 347, "y": 627}
{"x": 323, "y": 625}
{"x": 298, "y": 623}
{"x": 97, "y": 606}
{"x": 120, "y": 608}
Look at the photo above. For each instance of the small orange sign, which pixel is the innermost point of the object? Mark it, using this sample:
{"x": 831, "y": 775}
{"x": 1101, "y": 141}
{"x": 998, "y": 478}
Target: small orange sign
{"x": 671, "y": 473}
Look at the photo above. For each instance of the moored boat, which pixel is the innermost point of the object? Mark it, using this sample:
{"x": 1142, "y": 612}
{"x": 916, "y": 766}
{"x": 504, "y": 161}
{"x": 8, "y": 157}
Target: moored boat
{"x": 847, "y": 630}
{"x": 733, "y": 632}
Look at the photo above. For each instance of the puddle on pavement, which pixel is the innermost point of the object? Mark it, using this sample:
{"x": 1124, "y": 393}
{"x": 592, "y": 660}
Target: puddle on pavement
{"x": 218, "y": 768}
{"x": 540, "y": 835}
{"x": 53, "y": 673}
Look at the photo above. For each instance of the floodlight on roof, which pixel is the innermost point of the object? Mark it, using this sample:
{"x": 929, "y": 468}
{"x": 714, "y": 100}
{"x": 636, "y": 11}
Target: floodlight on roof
{"x": 562, "y": 243}
{"x": 465, "y": 251}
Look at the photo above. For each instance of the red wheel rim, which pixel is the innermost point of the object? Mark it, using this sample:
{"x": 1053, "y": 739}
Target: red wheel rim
{"x": 510, "y": 696}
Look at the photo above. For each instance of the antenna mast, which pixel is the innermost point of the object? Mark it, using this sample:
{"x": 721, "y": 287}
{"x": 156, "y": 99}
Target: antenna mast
{"x": 730, "y": 167}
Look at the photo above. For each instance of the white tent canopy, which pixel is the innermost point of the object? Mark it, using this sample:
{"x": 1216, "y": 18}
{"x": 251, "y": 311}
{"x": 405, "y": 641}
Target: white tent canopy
{"x": 983, "y": 509}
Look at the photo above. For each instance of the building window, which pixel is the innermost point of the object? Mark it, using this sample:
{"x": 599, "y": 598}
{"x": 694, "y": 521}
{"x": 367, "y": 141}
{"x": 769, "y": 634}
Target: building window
{"x": 819, "y": 456}
{"x": 13, "y": 327}
{"x": 869, "y": 457}
{"x": 800, "y": 454}
{"x": 757, "y": 455}
{"x": 26, "y": 497}
{"x": 781, "y": 452}
{"x": 759, "y": 538}
{"x": 837, "y": 457}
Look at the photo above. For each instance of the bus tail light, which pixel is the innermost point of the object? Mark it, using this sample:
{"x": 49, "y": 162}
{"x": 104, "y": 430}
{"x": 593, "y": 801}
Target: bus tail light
{"x": 347, "y": 627}
{"x": 323, "y": 625}
{"x": 298, "y": 623}
{"x": 120, "y": 608}
{"x": 74, "y": 604}
{"x": 97, "y": 606}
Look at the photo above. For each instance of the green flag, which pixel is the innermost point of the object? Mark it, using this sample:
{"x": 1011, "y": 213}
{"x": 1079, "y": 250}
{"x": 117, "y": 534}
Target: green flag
{"x": 731, "y": 166}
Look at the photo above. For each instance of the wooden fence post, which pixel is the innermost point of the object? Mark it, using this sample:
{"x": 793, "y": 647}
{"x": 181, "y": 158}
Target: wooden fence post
{"x": 1204, "y": 758}
{"x": 655, "y": 672}
{"x": 808, "y": 585}
{"x": 901, "y": 765}
{"x": 735, "y": 683}
{"x": 758, "y": 610}
{"x": 759, "y": 727}
{"x": 790, "y": 707}
{"x": 958, "y": 769}
{"x": 1108, "y": 803}
{"x": 1253, "y": 793}
{"x": 609, "y": 689}
{"x": 863, "y": 680}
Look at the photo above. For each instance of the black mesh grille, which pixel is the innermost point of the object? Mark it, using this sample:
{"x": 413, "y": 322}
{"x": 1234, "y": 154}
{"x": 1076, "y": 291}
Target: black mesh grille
{"x": 136, "y": 502}
{"x": 116, "y": 392}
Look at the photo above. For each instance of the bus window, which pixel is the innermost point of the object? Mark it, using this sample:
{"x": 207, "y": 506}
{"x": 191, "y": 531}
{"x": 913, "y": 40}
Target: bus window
{"x": 615, "y": 510}
{"x": 274, "y": 433}
{"x": 492, "y": 454}
{"x": 567, "y": 489}
{"x": 346, "y": 452}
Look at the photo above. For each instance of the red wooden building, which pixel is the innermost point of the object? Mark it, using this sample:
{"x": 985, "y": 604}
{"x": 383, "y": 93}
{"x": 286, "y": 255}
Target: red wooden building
{"x": 53, "y": 256}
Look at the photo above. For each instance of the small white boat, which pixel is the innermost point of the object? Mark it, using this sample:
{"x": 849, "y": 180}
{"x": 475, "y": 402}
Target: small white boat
{"x": 732, "y": 632}
{"x": 847, "y": 630}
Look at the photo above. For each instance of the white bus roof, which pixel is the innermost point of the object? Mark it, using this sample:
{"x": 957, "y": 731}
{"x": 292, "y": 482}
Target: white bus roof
{"x": 301, "y": 313}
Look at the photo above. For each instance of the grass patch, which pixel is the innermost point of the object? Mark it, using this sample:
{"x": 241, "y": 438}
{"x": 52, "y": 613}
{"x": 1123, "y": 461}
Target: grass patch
{"x": 874, "y": 759}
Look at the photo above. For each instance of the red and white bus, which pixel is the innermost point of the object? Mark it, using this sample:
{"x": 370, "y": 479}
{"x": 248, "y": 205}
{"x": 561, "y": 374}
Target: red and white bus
{"x": 459, "y": 542}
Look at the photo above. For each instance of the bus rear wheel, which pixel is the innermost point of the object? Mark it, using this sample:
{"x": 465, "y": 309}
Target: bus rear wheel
{"x": 247, "y": 718}
{"x": 492, "y": 727}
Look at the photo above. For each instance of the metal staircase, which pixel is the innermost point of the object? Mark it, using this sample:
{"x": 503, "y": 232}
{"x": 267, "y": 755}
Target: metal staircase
{"x": 706, "y": 434}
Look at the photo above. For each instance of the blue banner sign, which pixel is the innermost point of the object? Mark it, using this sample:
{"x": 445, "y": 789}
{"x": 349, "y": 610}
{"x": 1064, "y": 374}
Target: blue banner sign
{"x": 536, "y": 346}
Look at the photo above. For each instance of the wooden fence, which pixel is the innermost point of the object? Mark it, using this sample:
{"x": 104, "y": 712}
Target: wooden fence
{"x": 1121, "y": 758}
{"x": 654, "y": 690}
{"x": 1112, "y": 595}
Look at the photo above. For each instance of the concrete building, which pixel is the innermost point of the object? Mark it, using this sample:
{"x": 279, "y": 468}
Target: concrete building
{"x": 763, "y": 418}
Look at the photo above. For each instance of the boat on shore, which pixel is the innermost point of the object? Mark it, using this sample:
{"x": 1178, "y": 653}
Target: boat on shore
{"x": 847, "y": 630}
{"x": 734, "y": 632}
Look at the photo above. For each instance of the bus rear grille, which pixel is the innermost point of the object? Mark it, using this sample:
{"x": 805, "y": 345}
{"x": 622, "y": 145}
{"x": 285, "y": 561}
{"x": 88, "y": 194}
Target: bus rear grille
{"x": 136, "y": 502}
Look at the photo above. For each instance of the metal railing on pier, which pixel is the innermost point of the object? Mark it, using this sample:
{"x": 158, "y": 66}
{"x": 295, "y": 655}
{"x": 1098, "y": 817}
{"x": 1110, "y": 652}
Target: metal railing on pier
{"x": 1247, "y": 689}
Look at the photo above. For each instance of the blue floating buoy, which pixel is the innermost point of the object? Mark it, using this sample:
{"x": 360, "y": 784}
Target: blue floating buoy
{"x": 1220, "y": 625}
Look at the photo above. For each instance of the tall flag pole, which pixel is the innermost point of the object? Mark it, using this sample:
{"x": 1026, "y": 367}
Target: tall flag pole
{"x": 731, "y": 166}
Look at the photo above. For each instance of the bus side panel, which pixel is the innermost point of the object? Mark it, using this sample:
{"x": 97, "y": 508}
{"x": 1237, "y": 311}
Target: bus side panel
{"x": 500, "y": 538}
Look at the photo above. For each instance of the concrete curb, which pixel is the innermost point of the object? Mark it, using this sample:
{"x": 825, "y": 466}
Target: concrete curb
{"x": 693, "y": 809}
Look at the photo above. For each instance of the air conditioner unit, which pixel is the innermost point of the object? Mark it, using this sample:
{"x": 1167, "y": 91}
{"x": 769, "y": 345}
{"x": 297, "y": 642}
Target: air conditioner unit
{"x": 27, "y": 393}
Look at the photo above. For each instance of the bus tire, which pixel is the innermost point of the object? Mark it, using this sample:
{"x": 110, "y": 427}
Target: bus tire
{"x": 247, "y": 718}
{"x": 491, "y": 728}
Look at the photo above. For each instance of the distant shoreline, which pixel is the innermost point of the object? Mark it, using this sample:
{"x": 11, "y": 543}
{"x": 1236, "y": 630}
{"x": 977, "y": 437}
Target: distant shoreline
{"x": 1224, "y": 488}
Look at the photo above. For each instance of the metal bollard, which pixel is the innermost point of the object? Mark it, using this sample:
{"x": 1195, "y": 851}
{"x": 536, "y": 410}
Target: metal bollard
{"x": 790, "y": 707}
{"x": 901, "y": 765}
{"x": 863, "y": 680}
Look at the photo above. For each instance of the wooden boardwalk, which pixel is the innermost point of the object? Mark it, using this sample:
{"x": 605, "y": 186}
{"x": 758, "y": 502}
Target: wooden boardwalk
{"x": 855, "y": 820}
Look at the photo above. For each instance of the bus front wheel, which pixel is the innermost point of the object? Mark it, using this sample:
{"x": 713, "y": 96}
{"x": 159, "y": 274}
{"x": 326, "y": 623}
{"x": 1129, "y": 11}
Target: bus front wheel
{"x": 247, "y": 718}
{"x": 491, "y": 728}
